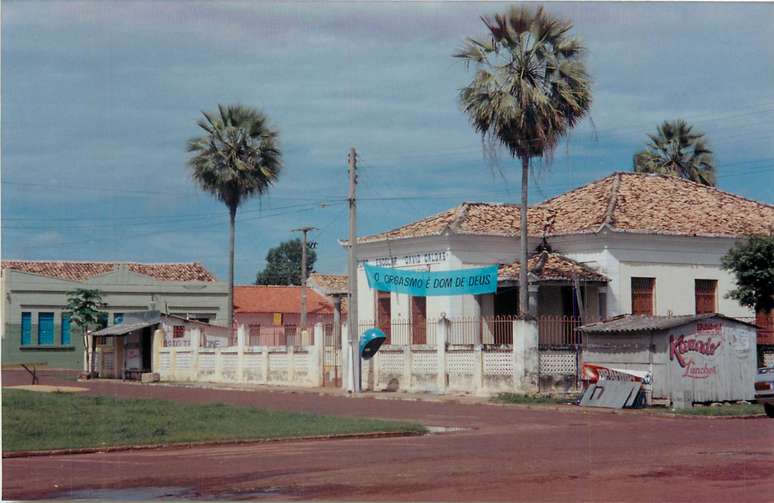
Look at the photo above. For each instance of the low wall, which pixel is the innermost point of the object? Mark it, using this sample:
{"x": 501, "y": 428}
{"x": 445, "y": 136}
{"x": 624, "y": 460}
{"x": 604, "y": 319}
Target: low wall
{"x": 280, "y": 365}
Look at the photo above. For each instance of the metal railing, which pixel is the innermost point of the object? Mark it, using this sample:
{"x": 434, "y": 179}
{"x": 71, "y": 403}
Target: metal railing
{"x": 559, "y": 331}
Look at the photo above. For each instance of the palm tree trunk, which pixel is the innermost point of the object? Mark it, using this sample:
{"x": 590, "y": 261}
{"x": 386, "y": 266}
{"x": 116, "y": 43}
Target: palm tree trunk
{"x": 231, "y": 231}
{"x": 523, "y": 238}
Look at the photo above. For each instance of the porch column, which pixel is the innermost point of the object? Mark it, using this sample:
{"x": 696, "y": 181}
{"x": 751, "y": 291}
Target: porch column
{"x": 533, "y": 299}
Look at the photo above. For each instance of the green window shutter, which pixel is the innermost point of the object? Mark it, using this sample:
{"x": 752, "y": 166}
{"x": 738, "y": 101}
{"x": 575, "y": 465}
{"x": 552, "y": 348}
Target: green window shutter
{"x": 26, "y": 329}
{"x": 66, "y": 329}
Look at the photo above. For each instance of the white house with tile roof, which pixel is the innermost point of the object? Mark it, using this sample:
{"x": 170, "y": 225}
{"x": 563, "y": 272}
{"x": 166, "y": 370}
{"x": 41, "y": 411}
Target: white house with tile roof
{"x": 626, "y": 243}
{"x": 35, "y": 325}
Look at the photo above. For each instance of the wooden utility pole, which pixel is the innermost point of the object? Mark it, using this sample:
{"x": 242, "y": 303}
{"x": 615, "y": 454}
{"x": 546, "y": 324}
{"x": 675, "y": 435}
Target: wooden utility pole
{"x": 354, "y": 357}
{"x": 303, "y": 230}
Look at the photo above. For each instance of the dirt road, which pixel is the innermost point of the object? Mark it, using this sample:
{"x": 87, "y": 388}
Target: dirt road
{"x": 506, "y": 453}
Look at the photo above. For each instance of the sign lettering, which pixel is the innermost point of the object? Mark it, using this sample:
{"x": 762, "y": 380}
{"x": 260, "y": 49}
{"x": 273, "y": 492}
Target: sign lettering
{"x": 425, "y": 283}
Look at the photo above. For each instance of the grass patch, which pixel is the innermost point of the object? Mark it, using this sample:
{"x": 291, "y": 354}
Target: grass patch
{"x": 39, "y": 421}
{"x": 735, "y": 409}
{"x": 516, "y": 398}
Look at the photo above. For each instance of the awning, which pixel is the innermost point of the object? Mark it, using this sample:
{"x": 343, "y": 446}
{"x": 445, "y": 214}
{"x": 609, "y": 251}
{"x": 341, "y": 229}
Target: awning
{"x": 124, "y": 328}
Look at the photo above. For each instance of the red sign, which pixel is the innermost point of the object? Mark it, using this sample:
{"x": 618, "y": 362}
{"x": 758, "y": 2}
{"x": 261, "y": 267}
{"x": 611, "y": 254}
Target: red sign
{"x": 686, "y": 349}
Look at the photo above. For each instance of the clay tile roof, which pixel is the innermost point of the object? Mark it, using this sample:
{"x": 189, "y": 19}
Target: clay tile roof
{"x": 551, "y": 267}
{"x": 277, "y": 299}
{"x": 82, "y": 271}
{"x": 622, "y": 202}
{"x": 329, "y": 284}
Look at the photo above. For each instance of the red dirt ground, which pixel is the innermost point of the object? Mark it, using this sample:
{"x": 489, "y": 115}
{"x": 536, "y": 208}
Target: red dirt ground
{"x": 509, "y": 453}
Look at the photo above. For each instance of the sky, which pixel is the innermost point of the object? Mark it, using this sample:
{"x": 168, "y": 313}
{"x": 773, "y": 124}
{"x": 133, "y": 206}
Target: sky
{"x": 99, "y": 99}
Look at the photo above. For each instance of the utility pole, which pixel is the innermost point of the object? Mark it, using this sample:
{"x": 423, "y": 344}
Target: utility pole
{"x": 304, "y": 230}
{"x": 354, "y": 357}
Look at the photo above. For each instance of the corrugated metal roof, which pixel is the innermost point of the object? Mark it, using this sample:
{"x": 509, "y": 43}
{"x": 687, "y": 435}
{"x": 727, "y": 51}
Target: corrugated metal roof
{"x": 124, "y": 328}
{"x": 643, "y": 323}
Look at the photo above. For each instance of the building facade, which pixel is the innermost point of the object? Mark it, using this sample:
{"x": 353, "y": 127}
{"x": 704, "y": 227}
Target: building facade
{"x": 35, "y": 323}
{"x": 629, "y": 243}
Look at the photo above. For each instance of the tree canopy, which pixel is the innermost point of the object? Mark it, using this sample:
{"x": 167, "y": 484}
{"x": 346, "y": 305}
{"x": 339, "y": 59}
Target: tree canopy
{"x": 238, "y": 158}
{"x": 676, "y": 149}
{"x": 283, "y": 264}
{"x": 529, "y": 89}
{"x": 752, "y": 263}
{"x": 83, "y": 305}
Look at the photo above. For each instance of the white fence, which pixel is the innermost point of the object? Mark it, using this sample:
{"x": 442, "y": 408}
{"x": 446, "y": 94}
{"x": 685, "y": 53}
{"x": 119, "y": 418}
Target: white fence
{"x": 276, "y": 365}
{"x": 439, "y": 368}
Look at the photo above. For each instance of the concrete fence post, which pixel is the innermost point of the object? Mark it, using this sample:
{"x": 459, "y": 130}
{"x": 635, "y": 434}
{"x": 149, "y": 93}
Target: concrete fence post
{"x": 158, "y": 343}
{"x": 291, "y": 364}
{"x": 173, "y": 362}
{"x": 405, "y": 383}
{"x": 218, "y": 376}
{"x": 478, "y": 368}
{"x": 525, "y": 356}
{"x": 241, "y": 342}
{"x": 442, "y": 335}
{"x": 317, "y": 354}
{"x": 265, "y": 364}
{"x": 375, "y": 363}
{"x": 195, "y": 343}
{"x": 346, "y": 358}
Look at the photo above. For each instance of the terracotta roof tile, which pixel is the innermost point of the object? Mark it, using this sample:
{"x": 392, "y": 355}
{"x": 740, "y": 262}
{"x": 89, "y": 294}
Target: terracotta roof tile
{"x": 551, "y": 267}
{"x": 329, "y": 284}
{"x": 81, "y": 271}
{"x": 624, "y": 202}
{"x": 277, "y": 299}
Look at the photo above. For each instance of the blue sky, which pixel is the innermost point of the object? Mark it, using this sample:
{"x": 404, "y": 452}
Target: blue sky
{"x": 99, "y": 98}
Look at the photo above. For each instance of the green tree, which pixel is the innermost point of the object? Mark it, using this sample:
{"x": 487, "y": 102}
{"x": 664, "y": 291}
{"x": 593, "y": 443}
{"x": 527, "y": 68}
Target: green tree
{"x": 530, "y": 88}
{"x": 677, "y": 150}
{"x": 752, "y": 263}
{"x": 83, "y": 305}
{"x": 238, "y": 158}
{"x": 283, "y": 264}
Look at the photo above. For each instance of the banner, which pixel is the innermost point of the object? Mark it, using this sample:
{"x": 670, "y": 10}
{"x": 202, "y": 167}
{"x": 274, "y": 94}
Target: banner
{"x": 426, "y": 283}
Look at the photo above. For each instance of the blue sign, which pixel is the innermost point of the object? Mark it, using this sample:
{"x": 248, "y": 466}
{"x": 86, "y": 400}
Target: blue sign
{"x": 426, "y": 283}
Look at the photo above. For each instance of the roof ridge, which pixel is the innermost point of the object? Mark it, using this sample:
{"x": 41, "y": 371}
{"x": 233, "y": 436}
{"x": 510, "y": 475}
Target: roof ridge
{"x": 611, "y": 202}
{"x": 105, "y": 262}
{"x": 698, "y": 185}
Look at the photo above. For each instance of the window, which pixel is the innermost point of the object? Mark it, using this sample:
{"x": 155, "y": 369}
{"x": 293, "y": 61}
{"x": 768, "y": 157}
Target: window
{"x": 706, "y": 290}
{"x": 26, "y": 329}
{"x": 384, "y": 314}
{"x": 45, "y": 329}
{"x": 642, "y": 295}
{"x": 419, "y": 320}
{"x": 118, "y": 318}
{"x": 178, "y": 331}
{"x": 65, "y": 336}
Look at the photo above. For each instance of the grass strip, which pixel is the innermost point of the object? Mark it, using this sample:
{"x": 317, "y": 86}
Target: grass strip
{"x": 735, "y": 409}
{"x": 516, "y": 398}
{"x": 42, "y": 421}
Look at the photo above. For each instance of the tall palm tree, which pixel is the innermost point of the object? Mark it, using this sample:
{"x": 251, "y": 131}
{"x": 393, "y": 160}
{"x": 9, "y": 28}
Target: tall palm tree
{"x": 677, "y": 150}
{"x": 238, "y": 158}
{"x": 529, "y": 89}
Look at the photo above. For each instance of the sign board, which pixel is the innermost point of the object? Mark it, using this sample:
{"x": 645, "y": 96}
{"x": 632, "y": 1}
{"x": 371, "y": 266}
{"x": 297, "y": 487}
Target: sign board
{"x": 426, "y": 283}
{"x": 277, "y": 321}
{"x": 419, "y": 258}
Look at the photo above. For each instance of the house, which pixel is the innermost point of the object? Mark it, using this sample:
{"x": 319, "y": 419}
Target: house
{"x": 36, "y": 326}
{"x": 628, "y": 243}
{"x": 272, "y": 313}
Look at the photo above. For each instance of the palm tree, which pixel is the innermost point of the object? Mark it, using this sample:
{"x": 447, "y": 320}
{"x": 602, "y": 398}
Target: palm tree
{"x": 238, "y": 158}
{"x": 677, "y": 150}
{"x": 529, "y": 89}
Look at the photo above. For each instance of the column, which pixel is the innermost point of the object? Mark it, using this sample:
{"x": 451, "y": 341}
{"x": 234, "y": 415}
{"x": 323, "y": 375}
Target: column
{"x": 525, "y": 356}
{"x": 317, "y": 354}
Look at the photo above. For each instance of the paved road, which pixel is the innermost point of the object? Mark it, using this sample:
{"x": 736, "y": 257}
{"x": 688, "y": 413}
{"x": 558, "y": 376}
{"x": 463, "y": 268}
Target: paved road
{"x": 507, "y": 453}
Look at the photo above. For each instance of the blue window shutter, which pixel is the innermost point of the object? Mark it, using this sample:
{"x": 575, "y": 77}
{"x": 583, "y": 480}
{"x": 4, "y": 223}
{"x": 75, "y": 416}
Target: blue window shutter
{"x": 118, "y": 318}
{"x": 65, "y": 329}
{"x": 26, "y": 329}
{"x": 45, "y": 328}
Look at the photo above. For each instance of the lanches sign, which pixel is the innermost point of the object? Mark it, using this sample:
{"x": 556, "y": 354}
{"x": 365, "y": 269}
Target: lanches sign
{"x": 696, "y": 354}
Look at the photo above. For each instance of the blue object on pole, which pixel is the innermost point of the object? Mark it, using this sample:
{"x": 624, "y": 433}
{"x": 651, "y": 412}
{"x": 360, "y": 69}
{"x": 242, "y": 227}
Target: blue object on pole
{"x": 370, "y": 342}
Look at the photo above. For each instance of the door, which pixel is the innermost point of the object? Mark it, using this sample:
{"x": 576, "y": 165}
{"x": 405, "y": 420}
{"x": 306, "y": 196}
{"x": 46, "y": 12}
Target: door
{"x": 418, "y": 320}
{"x": 147, "y": 340}
{"x": 384, "y": 314}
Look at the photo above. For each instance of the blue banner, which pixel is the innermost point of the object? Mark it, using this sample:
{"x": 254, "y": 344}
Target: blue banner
{"x": 425, "y": 283}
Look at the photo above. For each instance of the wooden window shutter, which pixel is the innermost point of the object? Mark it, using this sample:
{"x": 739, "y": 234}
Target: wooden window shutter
{"x": 642, "y": 295}
{"x": 706, "y": 290}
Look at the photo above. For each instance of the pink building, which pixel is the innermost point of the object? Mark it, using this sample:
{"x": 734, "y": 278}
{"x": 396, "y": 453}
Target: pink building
{"x": 272, "y": 313}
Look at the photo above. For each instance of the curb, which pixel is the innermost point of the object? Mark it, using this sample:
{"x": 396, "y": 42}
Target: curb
{"x": 213, "y": 443}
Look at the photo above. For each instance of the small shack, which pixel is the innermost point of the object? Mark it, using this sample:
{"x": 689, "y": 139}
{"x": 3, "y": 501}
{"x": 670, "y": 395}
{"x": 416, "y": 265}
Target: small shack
{"x": 125, "y": 350}
{"x": 692, "y": 358}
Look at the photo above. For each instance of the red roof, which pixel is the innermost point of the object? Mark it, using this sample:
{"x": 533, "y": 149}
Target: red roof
{"x": 277, "y": 299}
{"x": 81, "y": 271}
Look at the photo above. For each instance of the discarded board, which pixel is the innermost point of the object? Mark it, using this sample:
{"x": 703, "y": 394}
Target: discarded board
{"x": 611, "y": 394}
